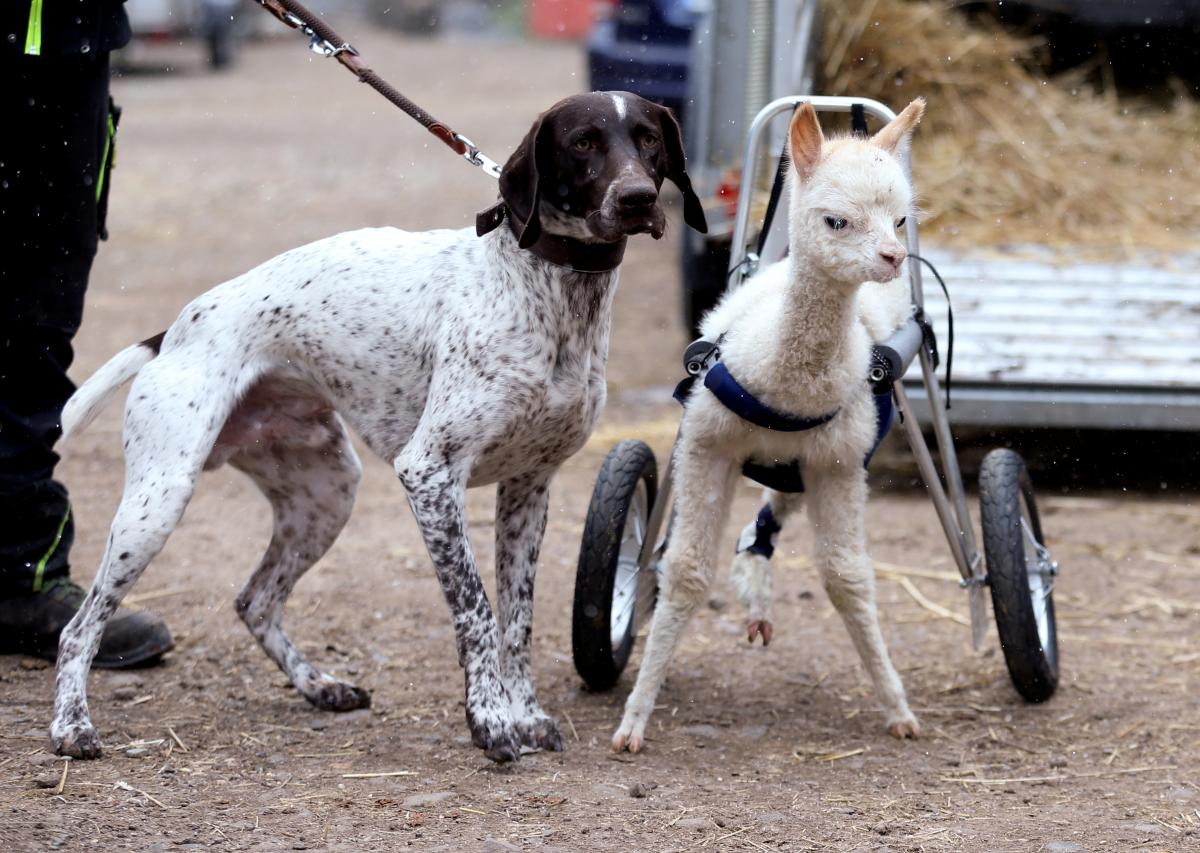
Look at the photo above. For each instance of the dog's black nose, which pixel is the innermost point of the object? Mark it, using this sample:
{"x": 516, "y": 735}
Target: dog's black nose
{"x": 637, "y": 195}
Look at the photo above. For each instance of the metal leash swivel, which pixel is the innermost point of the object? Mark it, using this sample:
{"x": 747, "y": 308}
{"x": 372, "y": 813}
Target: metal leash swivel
{"x": 324, "y": 41}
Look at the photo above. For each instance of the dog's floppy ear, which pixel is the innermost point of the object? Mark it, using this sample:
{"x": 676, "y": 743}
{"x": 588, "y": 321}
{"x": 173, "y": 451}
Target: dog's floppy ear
{"x": 520, "y": 178}
{"x": 693, "y": 211}
{"x": 893, "y": 137}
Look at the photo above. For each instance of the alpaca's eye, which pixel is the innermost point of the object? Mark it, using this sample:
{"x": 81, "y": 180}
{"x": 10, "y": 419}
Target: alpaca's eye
{"x": 835, "y": 222}
{"x": 583, "y": 144}
{"x": 900, "y": 222}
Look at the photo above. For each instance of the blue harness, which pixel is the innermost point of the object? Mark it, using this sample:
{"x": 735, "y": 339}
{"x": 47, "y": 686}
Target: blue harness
{"x": 781, "y": 476}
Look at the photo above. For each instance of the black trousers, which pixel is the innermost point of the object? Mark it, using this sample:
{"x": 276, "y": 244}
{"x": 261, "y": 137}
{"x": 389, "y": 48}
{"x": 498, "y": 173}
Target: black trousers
{"x": 55, "y": 138}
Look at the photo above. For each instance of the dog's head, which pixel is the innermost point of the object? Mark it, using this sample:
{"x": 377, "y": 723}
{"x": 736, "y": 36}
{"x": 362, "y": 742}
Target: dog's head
{"x": 591, "y": 168}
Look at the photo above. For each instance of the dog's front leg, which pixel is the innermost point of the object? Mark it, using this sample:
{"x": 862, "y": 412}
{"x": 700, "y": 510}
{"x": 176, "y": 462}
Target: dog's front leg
{"x": 520, "y": 526}
{"x": 437, "y": 495}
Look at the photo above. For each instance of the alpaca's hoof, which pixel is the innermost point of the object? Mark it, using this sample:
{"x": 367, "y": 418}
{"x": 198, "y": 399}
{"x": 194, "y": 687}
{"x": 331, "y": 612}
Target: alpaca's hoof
{"x": 905, "y": 727}
{"x": 626, "y": 738}
{"x": 756, "y": 627}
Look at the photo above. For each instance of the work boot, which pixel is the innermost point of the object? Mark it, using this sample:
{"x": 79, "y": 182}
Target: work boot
{"x": 30, "y": 624}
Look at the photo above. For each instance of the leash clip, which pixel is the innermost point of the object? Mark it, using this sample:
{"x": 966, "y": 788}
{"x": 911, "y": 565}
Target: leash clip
{"x": 476, "y": 157}
{"x": 321, "y": 47}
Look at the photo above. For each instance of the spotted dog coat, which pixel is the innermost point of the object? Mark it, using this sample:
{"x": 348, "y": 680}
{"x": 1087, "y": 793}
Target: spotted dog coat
{"x": 464, "y": 360}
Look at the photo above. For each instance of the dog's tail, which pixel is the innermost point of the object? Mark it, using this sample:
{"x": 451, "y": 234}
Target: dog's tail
{"x": 94, "y": 394}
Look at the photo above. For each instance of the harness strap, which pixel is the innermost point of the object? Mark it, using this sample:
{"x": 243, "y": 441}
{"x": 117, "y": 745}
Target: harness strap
{"x": 743, "y": 404}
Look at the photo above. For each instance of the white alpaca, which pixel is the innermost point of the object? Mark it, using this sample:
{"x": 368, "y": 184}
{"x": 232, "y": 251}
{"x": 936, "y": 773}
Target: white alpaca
{"x": 797, "y": 337}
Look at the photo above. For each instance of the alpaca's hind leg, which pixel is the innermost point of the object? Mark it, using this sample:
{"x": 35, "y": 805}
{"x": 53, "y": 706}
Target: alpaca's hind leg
{"x": 837, "y": 503}
{"x": 311, "y": 488}
{"x": 166, "y": 444}
{"x": 751, "y": 572}
{"x": 704, "y": 485}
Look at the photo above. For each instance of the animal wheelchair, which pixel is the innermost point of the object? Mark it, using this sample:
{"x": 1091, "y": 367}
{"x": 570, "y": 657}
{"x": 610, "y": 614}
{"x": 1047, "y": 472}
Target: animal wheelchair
{"x": 616, "y": 580}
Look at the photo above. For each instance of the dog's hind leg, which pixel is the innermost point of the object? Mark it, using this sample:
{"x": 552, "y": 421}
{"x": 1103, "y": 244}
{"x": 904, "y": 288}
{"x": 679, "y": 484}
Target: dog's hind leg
{"x": 170, "y": 426}
{"x": 705, "y": 486}
{"x": 311, "y": 487}
{"x": 751, "y": 572}
{"x": 837, "y": 508}
{"x": 520, "y": 524}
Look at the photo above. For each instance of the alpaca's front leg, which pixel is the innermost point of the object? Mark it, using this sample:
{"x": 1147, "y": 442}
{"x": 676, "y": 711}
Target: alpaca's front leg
{"x": 837, "y": 502}
{"x": 751, "y": 572}
{"x": 704, "y": 484}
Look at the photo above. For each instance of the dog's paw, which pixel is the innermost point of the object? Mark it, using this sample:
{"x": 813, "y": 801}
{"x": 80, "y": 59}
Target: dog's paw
{"x": 330, "y": 695}
{"x": 492, "y": 730}
{"x": 904, "y": 726}
{"x": 759, "y": 627}
{"x": 499, "y": 743}
{"x": 631, "y": 735}
{"x": 540, "y": 732}
{"x": 77, "y": 741}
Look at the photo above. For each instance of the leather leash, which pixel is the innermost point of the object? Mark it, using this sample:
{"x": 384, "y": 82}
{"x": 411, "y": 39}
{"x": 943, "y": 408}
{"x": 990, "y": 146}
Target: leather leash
{"x": 326, "y": 42}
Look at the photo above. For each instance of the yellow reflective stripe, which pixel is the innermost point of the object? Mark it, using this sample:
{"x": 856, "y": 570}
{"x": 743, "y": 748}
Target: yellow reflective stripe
{"x": 108, "y": 141}
{"x": 33, "y": 36}
{"x": 41, "y": 566}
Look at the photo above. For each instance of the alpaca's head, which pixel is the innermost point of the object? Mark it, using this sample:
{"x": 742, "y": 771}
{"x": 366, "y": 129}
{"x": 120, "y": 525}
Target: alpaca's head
{"x": 850, "y": 198}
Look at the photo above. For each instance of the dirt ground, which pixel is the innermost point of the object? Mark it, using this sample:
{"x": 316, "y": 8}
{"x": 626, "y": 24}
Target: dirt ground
{"x": 751, "y": 749}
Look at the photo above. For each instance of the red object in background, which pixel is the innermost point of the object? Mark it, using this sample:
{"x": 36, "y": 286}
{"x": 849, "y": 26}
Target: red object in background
{"x": 565, "y": 19}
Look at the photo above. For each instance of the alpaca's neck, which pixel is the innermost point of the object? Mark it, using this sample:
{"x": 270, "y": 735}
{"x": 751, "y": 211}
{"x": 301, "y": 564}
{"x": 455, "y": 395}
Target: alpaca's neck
{"x": 814, "y": 327}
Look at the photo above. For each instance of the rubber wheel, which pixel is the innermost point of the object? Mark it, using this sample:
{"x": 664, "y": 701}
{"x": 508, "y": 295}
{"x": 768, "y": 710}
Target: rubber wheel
{"x": 1022, "y": 599}
{"x": 606, "y": 579}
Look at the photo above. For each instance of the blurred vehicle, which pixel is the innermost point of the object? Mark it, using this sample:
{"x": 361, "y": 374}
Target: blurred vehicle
{"x": 644, "y": 46}
{"x": 222, "y": 24}
{"x": 744, "y": 55}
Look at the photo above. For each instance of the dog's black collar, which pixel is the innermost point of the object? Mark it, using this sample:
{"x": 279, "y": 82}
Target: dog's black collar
{"x": 565, "y": 252}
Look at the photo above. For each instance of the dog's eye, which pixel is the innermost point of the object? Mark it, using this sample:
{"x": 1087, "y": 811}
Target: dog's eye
{"x": 900, "y": 222}
{"x": 648, "y": 140}
{"x": 583, "y": 144}
{"x": 835, "y": 222}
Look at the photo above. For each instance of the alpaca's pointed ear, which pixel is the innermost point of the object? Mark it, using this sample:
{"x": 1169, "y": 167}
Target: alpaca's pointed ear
{"x": 893, "y": 137}
{"x": 805, "y": 140}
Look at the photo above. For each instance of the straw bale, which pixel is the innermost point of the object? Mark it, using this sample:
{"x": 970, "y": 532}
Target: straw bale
{"x": 1008, "y": 155}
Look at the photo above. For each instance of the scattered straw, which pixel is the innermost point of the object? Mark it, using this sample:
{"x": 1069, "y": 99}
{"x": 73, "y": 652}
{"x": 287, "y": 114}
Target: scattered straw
{"x": 919, "y": 597}
{"x": 571, "y": 723}
{"x": 1056, "y": 777}
{"x": 1007, "y": 154}
{"x": 140, "y": 597}
{"x": 62, "y": 782}
{"x": 175, "y": 738}
{"x": 838, "y": 756}
{"x": 378, "y": 775}
{"x": 125, "y": 786}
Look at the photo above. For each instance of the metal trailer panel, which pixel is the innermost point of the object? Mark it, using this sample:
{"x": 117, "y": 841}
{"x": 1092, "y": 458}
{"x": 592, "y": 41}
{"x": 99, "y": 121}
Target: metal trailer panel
{"x": 1112, "y": 346}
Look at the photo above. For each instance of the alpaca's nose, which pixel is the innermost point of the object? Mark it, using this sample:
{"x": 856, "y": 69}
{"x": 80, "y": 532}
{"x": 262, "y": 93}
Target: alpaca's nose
{"x": 893, "y": 255}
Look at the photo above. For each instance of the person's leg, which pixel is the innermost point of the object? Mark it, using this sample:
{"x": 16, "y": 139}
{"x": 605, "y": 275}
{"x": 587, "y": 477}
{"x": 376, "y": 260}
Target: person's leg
{"x": 50, "y": 172}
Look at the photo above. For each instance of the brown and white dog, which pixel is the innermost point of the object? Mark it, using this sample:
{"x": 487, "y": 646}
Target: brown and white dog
{"x": 462, "y": 359}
